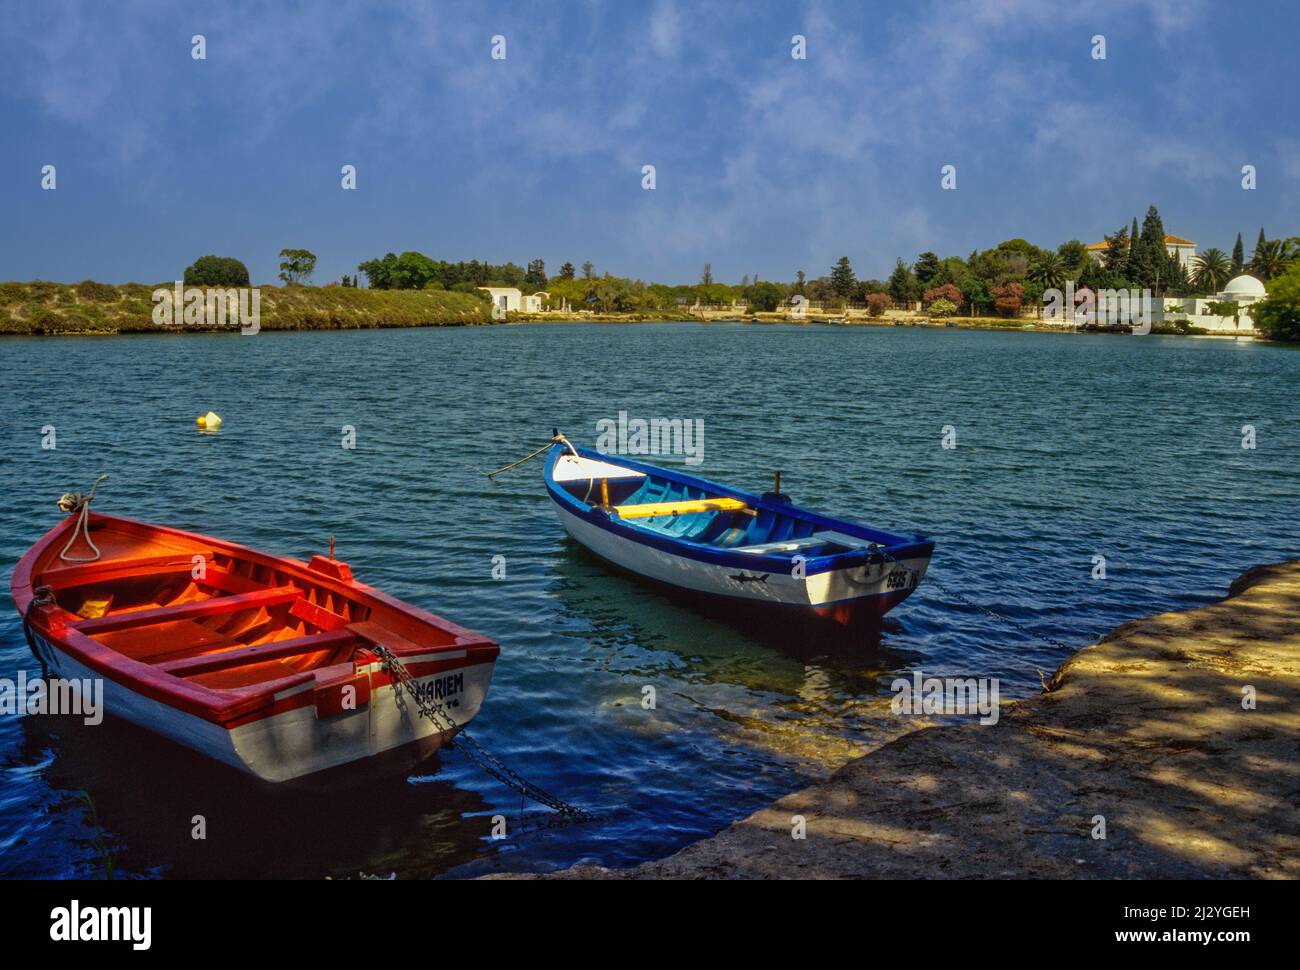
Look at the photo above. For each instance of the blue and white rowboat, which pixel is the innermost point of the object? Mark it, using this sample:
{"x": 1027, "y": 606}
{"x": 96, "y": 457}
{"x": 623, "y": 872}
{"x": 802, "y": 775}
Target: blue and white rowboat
{"x": 705, "y": 538}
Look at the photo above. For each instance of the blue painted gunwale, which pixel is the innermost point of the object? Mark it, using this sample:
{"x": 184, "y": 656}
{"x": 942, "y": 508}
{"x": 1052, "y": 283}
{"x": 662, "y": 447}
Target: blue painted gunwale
{"x": 897, "y": 546}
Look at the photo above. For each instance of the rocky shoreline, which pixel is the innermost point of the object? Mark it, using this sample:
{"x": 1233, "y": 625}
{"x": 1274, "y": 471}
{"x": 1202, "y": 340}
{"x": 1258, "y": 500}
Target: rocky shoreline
{"x": 1145, "y": 733}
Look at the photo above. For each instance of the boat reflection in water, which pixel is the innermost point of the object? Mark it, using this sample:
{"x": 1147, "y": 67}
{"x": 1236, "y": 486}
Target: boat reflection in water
{"x": 150, "y": 797}
{"x": 797, "y": 690}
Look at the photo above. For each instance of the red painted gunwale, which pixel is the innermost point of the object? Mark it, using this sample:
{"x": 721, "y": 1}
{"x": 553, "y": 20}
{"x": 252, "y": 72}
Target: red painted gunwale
{"x": 235, "y": 706}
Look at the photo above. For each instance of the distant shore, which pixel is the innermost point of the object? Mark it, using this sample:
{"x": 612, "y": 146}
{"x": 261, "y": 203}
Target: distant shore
{"x": 42, "y": 308}
{"x": 88, "y": 308}
{"x": 894, "y": 318}
{"x": 1142, "y": 738}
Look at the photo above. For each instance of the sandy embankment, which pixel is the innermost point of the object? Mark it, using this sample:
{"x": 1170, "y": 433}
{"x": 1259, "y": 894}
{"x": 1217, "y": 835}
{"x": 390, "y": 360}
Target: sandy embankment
{"x": 1146, "y": 729}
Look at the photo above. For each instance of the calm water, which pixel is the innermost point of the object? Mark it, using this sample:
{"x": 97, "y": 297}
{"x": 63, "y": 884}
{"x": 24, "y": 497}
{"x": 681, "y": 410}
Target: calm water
{"x": 1068, "y": 447}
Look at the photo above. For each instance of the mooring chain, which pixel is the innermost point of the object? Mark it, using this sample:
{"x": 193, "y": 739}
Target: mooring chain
{"x": 488, "y": 762}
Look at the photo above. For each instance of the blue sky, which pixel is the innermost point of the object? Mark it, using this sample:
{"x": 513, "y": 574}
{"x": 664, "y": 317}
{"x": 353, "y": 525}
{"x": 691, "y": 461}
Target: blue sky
{"x": 765, "y": 165}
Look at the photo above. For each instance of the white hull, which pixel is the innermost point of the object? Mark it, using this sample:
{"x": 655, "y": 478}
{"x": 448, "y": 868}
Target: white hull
{"x": 819, "y": 591}
{"x": 296, "y": 742}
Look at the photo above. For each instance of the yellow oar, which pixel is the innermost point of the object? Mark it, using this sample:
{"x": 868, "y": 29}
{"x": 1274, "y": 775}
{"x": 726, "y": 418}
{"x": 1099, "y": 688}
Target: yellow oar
{"x": 648, "y": 509}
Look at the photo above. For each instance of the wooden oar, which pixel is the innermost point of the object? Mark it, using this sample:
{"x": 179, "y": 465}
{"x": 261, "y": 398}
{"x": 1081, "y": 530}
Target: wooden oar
{"x": 686, "y": 506}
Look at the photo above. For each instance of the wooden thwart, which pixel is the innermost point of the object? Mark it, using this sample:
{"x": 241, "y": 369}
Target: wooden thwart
{"x": 191, "y": 610}
{"x": 259, "y": 653}
{"x": 70, "y": 577}
{"x": 649, "y": 509}
{"x": 374, "y": 633}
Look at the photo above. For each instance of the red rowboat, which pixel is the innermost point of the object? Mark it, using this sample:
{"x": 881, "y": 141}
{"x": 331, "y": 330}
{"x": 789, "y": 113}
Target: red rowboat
{"x": 265, "y": 663}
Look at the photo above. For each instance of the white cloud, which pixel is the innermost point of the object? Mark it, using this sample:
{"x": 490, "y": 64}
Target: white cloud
{"x": 665, "y": 28}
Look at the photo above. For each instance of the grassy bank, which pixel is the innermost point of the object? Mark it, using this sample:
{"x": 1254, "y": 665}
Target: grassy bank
{"x": 90, "y": 307}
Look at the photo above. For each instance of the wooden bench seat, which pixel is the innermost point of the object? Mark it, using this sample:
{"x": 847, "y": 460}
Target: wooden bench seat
{"x": 372, "y": 632}
{"x": 167, "y": 640}
{"x": 213, "y": 606}
{"x": 96, "y": 573}
{"x": 258, "y": 653}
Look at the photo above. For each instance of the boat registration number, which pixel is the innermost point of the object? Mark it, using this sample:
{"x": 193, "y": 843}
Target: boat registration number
{"x": 446, "y": 689}
{"x": 901, "y": 579}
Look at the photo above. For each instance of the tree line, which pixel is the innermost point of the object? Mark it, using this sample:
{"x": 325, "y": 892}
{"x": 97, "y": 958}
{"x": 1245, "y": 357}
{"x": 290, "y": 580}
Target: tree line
{"x": 1000, "y": 280}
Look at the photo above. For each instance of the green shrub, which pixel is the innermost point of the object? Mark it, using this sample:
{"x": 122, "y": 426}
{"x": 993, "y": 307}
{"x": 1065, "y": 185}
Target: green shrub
{"x": 97, "y": 292}
{"x": 135, "y": 308}
{"x": 216, "y": 271}
{"x": 44, "y": 320}
{"x": 1277, "y": 316}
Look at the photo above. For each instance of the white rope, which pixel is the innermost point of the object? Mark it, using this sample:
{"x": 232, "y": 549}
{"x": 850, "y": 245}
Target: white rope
{"x": 77, "y": 503}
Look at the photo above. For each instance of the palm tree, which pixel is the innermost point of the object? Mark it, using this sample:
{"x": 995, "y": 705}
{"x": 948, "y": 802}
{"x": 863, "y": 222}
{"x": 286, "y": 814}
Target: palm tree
{"x": 1290, "y": 250}
{"x": 1048, "y": 270}
{"x": 1211, "y": 269}
{"x": 1272, "y": 256}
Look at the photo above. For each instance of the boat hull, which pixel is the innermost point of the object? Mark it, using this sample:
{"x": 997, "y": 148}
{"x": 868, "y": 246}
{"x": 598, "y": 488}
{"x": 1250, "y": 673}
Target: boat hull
{"x": 295, "y": 742}
{"x": 861, "y": 589}
{"x": 852, "y": 596}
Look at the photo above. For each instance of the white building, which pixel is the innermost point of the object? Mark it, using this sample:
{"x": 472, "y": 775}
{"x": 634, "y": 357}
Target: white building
{"x": 505, "y": 298}
{"x": 510, "y": 299}
{"x": 1241, "y": 290}
{"x": 1185, "y": 249}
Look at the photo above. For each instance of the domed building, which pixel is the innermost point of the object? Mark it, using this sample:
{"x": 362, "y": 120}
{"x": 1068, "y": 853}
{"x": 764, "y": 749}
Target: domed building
{"x": 1207, "y": 314}
{"x": 1242, "y": 289}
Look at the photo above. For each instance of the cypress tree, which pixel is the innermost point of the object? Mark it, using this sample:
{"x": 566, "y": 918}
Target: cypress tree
{"x": 1130, "y": 267}
{"x": 842, "y": 278}
{"x": 1176, "y": 276}
{"x": 1238, "y": 257}
{"x": 1119, "y": 253}
{"x": 1259, "y": 246}
{"x": 1150, "y": 260}
{"x": 927, "y": 266}
{"x": 902, "y": 284}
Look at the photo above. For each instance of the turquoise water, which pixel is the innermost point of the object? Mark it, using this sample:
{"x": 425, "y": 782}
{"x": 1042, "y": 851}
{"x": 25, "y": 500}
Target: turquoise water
{"x": 1068, "y": 447}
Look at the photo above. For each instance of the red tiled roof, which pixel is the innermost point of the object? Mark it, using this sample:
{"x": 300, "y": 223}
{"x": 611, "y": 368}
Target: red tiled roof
{"x": 1169, "y": 241}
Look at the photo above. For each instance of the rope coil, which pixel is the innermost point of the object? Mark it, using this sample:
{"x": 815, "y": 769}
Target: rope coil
{"x": 78, "y": 504}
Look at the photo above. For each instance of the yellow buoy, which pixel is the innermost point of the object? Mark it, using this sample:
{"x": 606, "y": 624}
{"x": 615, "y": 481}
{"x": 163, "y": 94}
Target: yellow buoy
{"x": 210, "y": 421}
